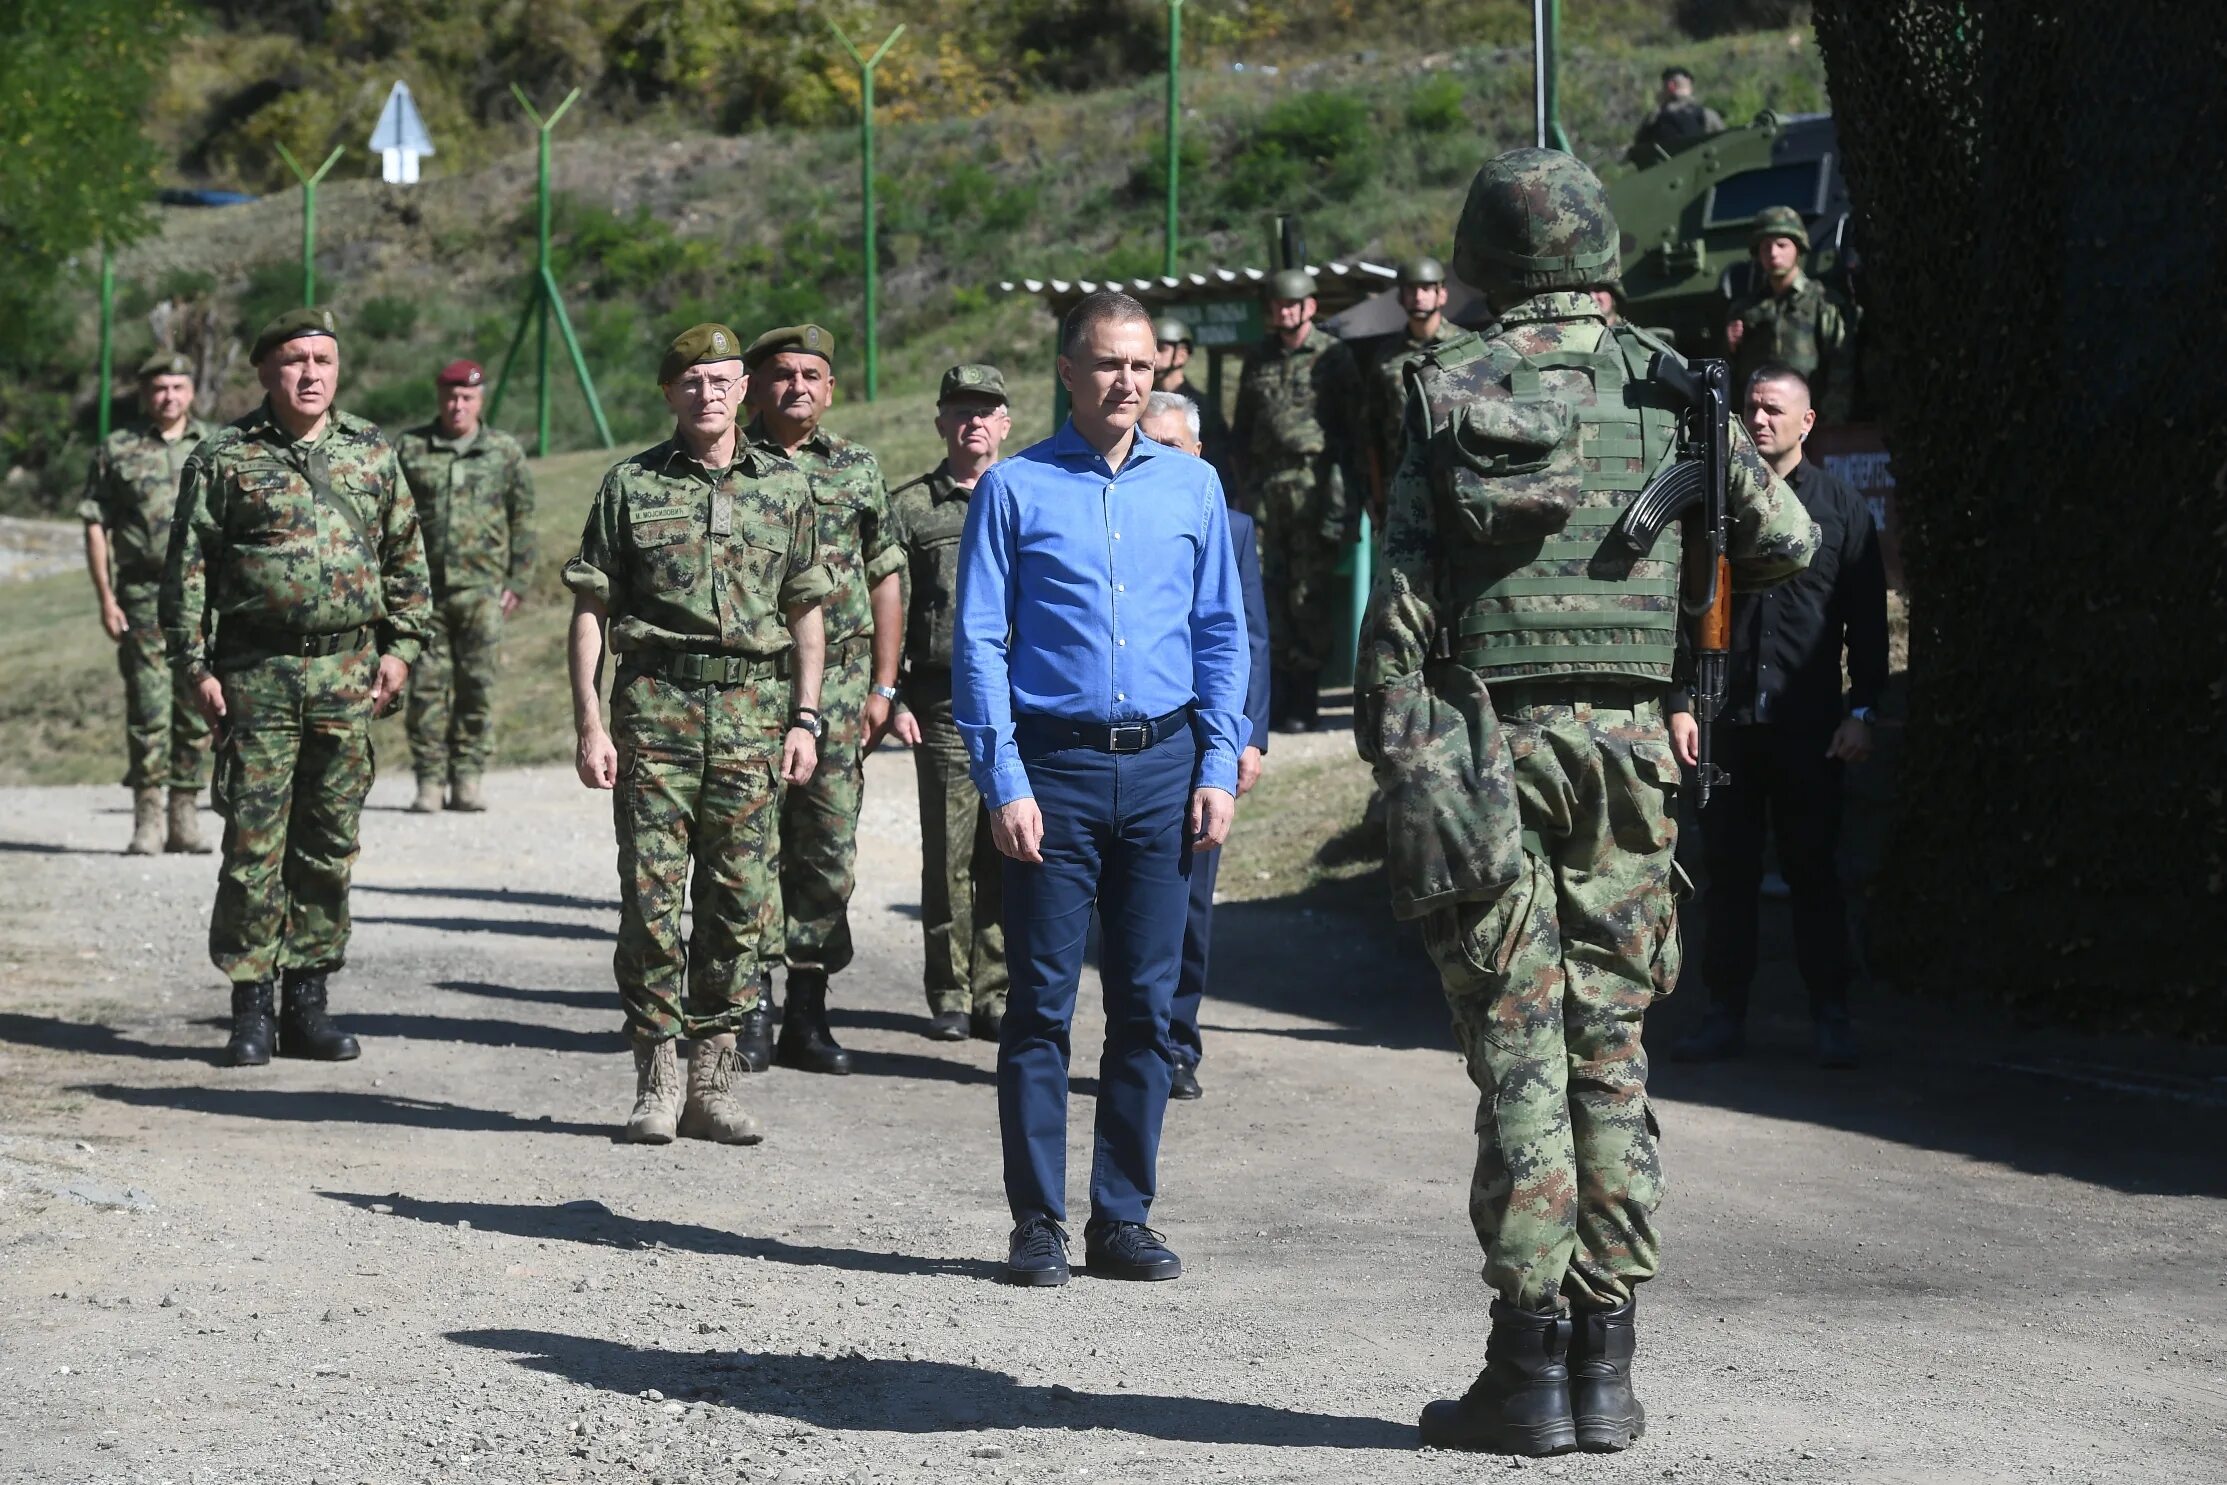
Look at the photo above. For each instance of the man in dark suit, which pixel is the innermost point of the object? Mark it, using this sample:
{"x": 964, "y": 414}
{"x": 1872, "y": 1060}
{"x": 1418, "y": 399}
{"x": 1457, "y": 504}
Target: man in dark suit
{"x": 1173, "y": 418}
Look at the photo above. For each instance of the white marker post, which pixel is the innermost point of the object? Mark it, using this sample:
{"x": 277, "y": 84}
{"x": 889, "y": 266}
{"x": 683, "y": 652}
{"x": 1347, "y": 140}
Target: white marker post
{"x": 400, "y": 138}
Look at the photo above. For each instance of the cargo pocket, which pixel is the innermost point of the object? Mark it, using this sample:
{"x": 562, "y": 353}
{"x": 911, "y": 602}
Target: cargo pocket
{"x": 1452, "y": 832}
{"x": 1509, "y": 471}
{"x": 1670, "y": 944}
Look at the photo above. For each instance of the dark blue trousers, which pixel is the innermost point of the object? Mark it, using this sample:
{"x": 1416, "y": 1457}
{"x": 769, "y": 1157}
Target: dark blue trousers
{"x": 1198, "y": 941}
{"x": 1115, "y": 839}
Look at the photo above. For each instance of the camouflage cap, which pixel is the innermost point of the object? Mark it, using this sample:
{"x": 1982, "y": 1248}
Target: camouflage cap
{"x": 166, "y": 363}
{"x": 1421, "y": 271}
{"x": 811, "y": 339}
{"x": 695, "y": 346}
{"x": 1168, "y": 330}
{"x": 1778, "y": 221}
{"x": 293, "y": 325}
{"x": 1291, "y": 283}
{"x": 973, "y": 380}
{"x": 1535, "y": 220}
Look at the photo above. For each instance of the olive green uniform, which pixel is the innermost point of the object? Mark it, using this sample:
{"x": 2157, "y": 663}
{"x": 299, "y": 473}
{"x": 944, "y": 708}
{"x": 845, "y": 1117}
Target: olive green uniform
{"x": 475, "y": 501}
{"x": 293, "y": 567}
{"x": 698, "y": 569}
{"x": 1388, "y": 392}
{"x": 131, "y": 491}
{"x": 1806, "y": 327}
{"x": 961, "y": 872}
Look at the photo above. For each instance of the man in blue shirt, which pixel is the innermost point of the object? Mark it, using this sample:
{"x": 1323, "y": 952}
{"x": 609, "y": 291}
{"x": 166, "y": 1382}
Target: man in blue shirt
{"x": 1098, "y": 679}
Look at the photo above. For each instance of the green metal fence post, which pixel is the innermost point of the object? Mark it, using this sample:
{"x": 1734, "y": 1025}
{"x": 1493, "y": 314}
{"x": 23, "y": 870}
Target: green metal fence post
{"x": 1555, "y": 136}
{"x": 544, "y": 302}
{"x": 866, "y": 66}
{"x": 108, "y": 335}
{"x": 309, "y": 215}
{"x": 1175, "y": 126}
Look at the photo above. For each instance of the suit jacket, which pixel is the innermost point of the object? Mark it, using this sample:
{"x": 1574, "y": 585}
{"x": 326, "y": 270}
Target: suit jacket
{"x": 1256, "y": 626}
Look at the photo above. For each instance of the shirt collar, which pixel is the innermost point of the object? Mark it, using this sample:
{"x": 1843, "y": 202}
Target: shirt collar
{"x": 1557, "y": 304}
{"x": 749, "y": 459}
{"x": 821, "y": 442}
{"x": 464, "y": 445}
{"x": 1070, "y": 447}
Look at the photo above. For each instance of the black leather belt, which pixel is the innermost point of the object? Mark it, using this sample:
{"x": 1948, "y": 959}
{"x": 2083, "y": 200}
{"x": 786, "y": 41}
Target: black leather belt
{"x": 694, "y": 668}
{"x": 1106, "y": 737}
{"x": 236, "y": 638}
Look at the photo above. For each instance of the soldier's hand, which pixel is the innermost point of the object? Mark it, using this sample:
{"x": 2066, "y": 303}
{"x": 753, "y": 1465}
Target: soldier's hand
{"x": 113, "y": 620}
{"x": 597, "y": 761}
{"x": 1212, "y": 810}
{"x": 905, "y": 727}
{"x": 1733, "y": 330}
{"x": 800, "y": 755}
{"x": 1851, "y": 741}
{"x": 1248, "y": 771}
{"x": 1685, "y": 738}
{"x": 387, "y": 688}
{"x": 1017, "y": 830}
{"x": 510, "y": 602}
{"x": 208, "y": 699}
{"x": 877, "y": 720}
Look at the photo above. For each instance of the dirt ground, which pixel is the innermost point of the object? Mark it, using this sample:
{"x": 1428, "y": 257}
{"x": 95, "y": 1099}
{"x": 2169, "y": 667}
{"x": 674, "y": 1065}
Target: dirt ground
{"x": 1983, "y": 1257}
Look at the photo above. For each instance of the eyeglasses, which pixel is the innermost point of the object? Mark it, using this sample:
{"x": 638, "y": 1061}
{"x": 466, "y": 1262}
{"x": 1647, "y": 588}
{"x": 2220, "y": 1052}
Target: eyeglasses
{"x": 707, "y": 389}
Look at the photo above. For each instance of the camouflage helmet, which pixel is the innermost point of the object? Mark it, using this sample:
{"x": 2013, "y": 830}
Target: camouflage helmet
{"x": 1421, "y": 271}
{"x": 1535, "y": 220}
{"x": 1168, "y": 330}
{"x": 1778, "y": 221}
{"x": 1291, "y": 283}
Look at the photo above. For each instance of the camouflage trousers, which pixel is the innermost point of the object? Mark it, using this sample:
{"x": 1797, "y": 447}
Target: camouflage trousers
{"x": 819, "y": 820}
{"x": 697, "y": 798}
{"x": 962, "y": 875}
{"x": 1298, "y": 571}
{"x": 166, "y": 739}
{"x": 1548, "y": 985}
{"x": 293, "y": 764}
{"x": 451, "y": 707}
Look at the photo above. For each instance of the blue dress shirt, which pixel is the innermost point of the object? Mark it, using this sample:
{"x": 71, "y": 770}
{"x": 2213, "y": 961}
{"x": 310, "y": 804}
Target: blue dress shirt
{"x": 1096, "y": 595}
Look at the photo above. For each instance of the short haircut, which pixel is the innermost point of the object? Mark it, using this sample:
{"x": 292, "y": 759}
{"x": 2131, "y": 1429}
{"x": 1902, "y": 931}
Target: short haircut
{"x": 1776, "y": 371}
{"x": 1671, "y": 72}
{"x": 1106, "y": 306}
{"x": 1160, "y": 404}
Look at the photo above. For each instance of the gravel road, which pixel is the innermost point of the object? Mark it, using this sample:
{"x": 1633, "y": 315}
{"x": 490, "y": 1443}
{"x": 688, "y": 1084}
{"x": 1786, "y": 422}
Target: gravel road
{"x": 1962, "y": 1263}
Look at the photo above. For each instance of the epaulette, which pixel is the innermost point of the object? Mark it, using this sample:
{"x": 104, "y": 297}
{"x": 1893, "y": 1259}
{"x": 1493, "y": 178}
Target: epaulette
{"x": 1457, "y": 350}
{"x": 918, "y": 479}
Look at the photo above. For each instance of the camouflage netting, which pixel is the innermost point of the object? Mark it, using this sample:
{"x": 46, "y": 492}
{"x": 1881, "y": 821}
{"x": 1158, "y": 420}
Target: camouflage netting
{"x": 2038, "y": 188}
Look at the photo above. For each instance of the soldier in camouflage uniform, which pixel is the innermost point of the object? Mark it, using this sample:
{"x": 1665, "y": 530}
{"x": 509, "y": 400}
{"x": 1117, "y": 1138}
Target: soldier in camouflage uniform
{"x": 1170, "y": 358}
{"x": 1531, "y": 827}
{"x": 476, "y": 502}
{"x": 295, "y": 598}
{"x": 1422, "y": 294}
{"x": 792, "y": 373}
{"x": 1790, "y": 318}
{"x": 961, "y": 873}
{"x": 1681, "y": 119}
{"x": 1296, "y": 439}
{"x": 700, "y": 555}
{"x": 131, "y": 491}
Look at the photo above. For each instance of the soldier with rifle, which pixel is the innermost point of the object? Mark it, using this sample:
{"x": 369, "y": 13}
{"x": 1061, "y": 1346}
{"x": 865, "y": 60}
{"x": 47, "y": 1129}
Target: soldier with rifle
{"x": 1512, "y": 675}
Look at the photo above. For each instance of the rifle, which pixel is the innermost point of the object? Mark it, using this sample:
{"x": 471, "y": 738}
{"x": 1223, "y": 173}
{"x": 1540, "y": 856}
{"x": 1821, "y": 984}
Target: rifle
{"x": 1695, "y": 490}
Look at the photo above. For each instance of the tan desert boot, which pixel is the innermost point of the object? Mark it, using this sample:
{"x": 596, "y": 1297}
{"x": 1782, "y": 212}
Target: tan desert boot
{"x": 146, "y": 823}
{"x": 657, "y": 1094}
{"x": 713, "y": 1112}
{"x": 185, "y": 824}
{"x": 463, "y": 794}
{"x": 428, "y": 801}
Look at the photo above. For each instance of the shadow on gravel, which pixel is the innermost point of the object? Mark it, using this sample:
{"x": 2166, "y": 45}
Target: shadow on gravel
{"x": 326, "y": 1106}
{"x": 476, "y": 1033}
{"x": 92, "y": 1040}
{"x": 49, "y": 848}
{"x": 594, "y": 1223}
{"x": 870, "y": 1394}
{"x": 518, "y": 926}
{"x": 587, "y": 1000}
{"x": 565, "y": 900}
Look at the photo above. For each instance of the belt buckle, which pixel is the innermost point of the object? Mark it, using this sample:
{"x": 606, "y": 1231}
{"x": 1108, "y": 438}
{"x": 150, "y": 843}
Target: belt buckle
{"x": 1129, "y": 737}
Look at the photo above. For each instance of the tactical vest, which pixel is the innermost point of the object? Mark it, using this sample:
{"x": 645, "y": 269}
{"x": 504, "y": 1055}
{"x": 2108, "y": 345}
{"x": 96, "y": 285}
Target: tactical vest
{"x": 1529, "y": 468}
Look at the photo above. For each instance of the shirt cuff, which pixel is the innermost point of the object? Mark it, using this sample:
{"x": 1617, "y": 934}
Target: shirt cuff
{"x": 1008, "y": 782}
{"x": 1218, "y": 770}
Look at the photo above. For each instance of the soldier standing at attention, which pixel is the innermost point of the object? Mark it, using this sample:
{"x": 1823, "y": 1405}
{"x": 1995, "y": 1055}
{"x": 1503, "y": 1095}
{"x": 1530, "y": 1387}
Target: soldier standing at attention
{"x": 131, "y": 492}
{"x": 961, "y": 872}
{"x": 792, "y": 373}
{"x": 1422, "y": 295}
{"x": 1169, "y": 360}
{"x": 700, "y": 554}
{"x": 1679, "y": 121}
{"x": 476, "y": 502}
{"x": 1295, "y": 439}
{"x": 1790, "y": 318}
{"x": 296, "y": 535}
{"x": 1522, "y": 449}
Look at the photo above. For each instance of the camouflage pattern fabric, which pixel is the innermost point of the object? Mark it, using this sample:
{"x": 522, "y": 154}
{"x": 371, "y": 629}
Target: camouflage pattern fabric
{"x": 475, "y": 499}
{"x": 1299, "y": 573}
{"x": 1807, "y": 328}
{"x": 131, "y": 489}
{"x": 1548, "y": 984}
{"x": 819, "y": 819}
{"x": 1214, "y": 432}
{"x": 301, "y": 538}
{"x": 962, "y": 896}
{"x": 1671, "y": 126}
{"x": 451, "y": 709}
{"x": 858, "y": 542}
{"x": 293, "y": 765}
{"x": 1387, "y": 386}
{"x": 929, "y": 515}
{"x": 166, "y": 739}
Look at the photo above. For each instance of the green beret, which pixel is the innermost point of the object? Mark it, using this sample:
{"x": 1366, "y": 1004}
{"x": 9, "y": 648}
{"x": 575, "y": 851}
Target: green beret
{"x": 1421, "y": 271}
{"x": 293, "y": 325}
{"x": 1292, "y": 283}
{"x": 695, "y": 346}
{"x": 811, "y": 339}
{"x": 1171, "y": 331}
{"x": 166, "y": 363}
{"x": 973, "y": 381}
{"x": 1779, "y": 221}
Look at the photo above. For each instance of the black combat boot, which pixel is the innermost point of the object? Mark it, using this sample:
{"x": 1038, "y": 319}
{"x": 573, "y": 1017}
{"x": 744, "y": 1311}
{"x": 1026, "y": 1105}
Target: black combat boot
{"x": 252, "y": 1031}
{"x": 304, "y": 1030}
{"x": 807, "y": 1043}
{"x": 1520, "y": 1402}
{"x": 1608, "y": 1415}
{"x": 754, "y": 1037}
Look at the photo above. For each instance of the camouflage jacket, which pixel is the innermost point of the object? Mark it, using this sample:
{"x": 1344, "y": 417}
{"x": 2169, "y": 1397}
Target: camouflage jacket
{"x": 688, "y": 558}
{"x": 1213, "y": 427}
{"x": 1673, "y": 126}
{"x": 1388, "y": 393}
{"x": 132, "y": 490}
{"x": 476, "y": 502}
{"x": 930, "y": 515}
{"x": 306, "y": 538}
{"x": 857, "y": 546}
{"x": 1772, "y": 535}
{"x": 1299, "y": 411}
{"x": 1807, "y": 328}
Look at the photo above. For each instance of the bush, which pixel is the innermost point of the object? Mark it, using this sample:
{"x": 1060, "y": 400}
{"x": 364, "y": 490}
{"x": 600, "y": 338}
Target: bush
{"x": 1435, "y": 107}
{"x": 1310, "y": 147}
{"x": 388, "y": 317}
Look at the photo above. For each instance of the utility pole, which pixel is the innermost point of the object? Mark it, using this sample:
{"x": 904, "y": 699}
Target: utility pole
{"x": 1546, "y": 34}
{"x": 866, "y": 66}
{"x": 1175, "y": 126}
{"x": 309, "y": 216}
{"x": 108, "y": 334}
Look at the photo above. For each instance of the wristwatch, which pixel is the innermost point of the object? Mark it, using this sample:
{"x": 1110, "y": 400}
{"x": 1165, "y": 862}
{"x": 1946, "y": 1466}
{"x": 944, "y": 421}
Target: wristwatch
{"x": 886, "y": 693}
{"x": 809, "y": 719}
{"x": 1860, "y": 714}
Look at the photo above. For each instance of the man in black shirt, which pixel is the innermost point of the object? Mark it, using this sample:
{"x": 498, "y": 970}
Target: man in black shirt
{"x": 1785, "y": 736}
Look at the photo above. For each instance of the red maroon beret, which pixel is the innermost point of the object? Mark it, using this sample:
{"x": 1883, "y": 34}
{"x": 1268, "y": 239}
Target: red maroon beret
{"x": 460, "y": 374}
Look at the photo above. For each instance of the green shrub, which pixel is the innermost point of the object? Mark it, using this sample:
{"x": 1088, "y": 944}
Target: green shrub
{"x": 1435, "y": 107}
{"x": 1308, "y": 148}
{"x": 388, "y": 317}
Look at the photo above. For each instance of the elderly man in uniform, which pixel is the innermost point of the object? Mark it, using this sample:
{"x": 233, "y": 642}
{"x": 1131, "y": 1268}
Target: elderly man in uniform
{"x": 131, "y": 492}
{"x": 1422, "y": 294}
{"x": 476, "y": 503}
{"x": 701, "y": 554}
{"x": 960, "y": 872}
{"x": 1790, "y": 318}
{"x": 1169, "y": 361}
{"x": 792, "y": 385}
{"x": 1680, "y": 120}
{"x": 1510, "y": 692}
{"x": 296, "y": 542}
{"x": 1296, "y": 437}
